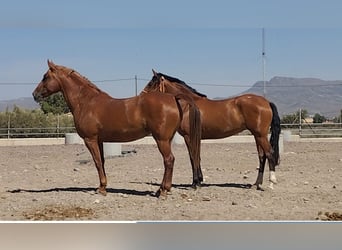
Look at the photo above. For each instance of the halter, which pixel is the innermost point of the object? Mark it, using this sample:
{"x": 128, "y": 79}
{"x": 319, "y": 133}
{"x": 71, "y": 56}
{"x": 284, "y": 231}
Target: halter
{"x": 162, "y": 87}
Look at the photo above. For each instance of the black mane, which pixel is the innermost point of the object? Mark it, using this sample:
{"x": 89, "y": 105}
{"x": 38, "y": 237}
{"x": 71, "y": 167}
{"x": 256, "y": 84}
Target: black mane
{"x": 180, "y": 82}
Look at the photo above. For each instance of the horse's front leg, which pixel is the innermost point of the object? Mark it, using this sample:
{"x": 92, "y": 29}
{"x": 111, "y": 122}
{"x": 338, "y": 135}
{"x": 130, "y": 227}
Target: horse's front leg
{"x": 169, "y": 159}
{"x": 96, "y": 151}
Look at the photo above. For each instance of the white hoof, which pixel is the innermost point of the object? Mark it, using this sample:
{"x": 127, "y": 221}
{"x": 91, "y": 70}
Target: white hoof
{"x": 273, "y": 178}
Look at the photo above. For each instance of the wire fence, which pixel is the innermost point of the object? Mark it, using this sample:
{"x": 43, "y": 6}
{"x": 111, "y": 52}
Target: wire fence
{"x": 314, "y": 130}
{"x": 139, "y": 82}
{"x": 304, "y": 130}
{"x": 49, "y": 132}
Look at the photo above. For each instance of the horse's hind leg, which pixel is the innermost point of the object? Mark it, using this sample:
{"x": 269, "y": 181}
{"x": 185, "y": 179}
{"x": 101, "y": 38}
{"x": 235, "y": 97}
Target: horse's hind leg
{"x": 272, "y": 164}
{"x": 265, "y": 152}
{"x": 168, "y": 158}
{"x": 96, "y": 151}
{"x": 262, "y": 161}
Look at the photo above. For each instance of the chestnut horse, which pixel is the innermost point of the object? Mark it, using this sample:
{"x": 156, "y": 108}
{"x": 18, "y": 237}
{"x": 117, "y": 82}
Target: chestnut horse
{"x": 100, "y": 118}
{"x": 223, "y": 118}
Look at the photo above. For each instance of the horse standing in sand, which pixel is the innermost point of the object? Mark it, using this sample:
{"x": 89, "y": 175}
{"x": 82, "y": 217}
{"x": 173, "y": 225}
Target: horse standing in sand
{"x": 100, "y": 118}
{"x": 227, "y": 117}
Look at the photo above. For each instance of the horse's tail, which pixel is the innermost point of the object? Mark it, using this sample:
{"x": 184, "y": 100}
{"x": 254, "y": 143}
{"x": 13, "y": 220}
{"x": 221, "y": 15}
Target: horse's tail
{"x": 195, "y": 128}
{"x": 275, "y": 132}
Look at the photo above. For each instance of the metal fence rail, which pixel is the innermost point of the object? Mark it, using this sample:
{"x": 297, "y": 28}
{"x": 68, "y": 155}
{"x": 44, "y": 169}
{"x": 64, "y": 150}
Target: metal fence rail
{"x": 303, "y": 130}
{"x": 48, "y": 132}
{"x": 314, "y": 129}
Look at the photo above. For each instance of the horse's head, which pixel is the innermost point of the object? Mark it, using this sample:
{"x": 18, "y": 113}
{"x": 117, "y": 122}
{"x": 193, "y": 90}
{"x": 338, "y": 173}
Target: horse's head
{"x": 49, "y": 84}
{"x": 156, "y": 83}
{"x": 167, "y": 84}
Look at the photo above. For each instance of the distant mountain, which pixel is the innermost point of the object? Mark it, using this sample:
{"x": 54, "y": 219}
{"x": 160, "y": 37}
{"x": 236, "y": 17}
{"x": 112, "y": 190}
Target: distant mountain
{"x": 291, "y": 94}
{"x": 288, "y": 93}
{"x": 24, "y": 102}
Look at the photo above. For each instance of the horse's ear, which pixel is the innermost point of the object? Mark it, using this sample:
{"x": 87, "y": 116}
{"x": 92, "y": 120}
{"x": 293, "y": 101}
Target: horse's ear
{"x": 51, "y": 65}
{"x": 155, "y": 73}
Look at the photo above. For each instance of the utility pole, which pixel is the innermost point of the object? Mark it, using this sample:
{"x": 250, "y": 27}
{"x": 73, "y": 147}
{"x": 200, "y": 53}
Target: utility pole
{"x": 136, "y": 85}
{"x": 263, "y": 61}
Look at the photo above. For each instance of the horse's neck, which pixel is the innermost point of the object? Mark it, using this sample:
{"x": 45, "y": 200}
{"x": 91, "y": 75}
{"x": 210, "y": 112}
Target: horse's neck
{"x": 75, "y": 93}
{"x": 185, "y": 91}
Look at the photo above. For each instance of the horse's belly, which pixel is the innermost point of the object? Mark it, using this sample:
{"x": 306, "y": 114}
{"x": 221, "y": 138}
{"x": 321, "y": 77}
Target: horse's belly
{"x": 122, "y": 136}
{"x": 219, "y": 133}
{"x": 218, "y": 125}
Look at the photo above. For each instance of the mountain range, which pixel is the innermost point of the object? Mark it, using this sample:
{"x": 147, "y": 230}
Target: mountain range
{"x": 23, "y": 102}
{"x": 291, "y": 94}
{"x": 288, "y": 93}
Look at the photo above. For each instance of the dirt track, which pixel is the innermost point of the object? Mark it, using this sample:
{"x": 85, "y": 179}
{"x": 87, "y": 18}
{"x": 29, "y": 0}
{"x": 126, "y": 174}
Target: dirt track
{"x": 58, "y": 183}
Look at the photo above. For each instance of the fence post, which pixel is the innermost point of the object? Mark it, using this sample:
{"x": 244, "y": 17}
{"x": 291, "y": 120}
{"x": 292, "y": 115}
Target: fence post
{"x": 8, "y": 126}
{"x": 300, "y": 122}
{"x": 57, "y": 126}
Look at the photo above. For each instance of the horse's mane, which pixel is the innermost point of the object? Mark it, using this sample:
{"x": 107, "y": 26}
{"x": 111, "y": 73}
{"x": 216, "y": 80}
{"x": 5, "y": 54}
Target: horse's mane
{"x": 182, "y": 83}
{"x": 87, "y": 81}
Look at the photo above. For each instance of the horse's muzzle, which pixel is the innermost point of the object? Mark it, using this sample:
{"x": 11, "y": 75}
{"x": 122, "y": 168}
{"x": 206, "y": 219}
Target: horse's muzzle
{"x": 37, "y": 96}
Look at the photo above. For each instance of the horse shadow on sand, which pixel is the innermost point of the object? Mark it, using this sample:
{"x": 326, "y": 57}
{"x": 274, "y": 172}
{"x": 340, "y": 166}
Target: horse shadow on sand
{"x": 84, "y": 190}
{"x": 129, "y": 191}
{"x": 204, "y": 185}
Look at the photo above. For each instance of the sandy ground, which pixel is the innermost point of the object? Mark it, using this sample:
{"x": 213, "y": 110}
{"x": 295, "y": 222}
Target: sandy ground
{"x": 58, "y": 183}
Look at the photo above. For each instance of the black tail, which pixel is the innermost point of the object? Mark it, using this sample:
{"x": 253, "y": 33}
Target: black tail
{"x": 195, "y": 134}
{"x": 275, "y": 132}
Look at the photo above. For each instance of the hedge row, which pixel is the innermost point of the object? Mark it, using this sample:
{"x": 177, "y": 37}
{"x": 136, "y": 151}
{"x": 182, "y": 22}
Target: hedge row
{"x": 34, "y": 123}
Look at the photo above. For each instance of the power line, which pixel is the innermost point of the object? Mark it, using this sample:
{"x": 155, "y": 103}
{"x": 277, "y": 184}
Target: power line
{"x": 268, "y": 86}
{"x": 116, "y": 80}
{"x": 195, "y": 84}
{"x": 98, "y": 81}
{"x": 263, "y": 54}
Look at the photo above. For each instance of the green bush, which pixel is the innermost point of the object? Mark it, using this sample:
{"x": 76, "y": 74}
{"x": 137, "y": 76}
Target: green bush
{"x": 34, "y": 123}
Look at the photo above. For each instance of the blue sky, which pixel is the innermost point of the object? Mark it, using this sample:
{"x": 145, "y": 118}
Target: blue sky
{"x": 205, "y": 43}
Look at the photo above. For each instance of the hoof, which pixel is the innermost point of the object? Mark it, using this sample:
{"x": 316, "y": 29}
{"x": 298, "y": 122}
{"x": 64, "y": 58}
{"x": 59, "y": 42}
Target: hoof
{"x": 162, "y": 194}
{"x": 258, "y": 187}
{"x": 196, "y": 185}
{"x": 101, "y": 191}
{"x": 272, "y": 181}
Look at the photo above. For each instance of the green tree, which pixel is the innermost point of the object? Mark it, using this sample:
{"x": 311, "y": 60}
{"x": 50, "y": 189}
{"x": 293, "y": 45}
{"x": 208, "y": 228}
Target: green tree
{"x": 318, "y": 118}
{"x": 294, "y": 117}
{"x": 289, "y": 119}
{"x": 54, "y": 104}
{"x": 304, "y": 113}
{"x": 338, "y": 118}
